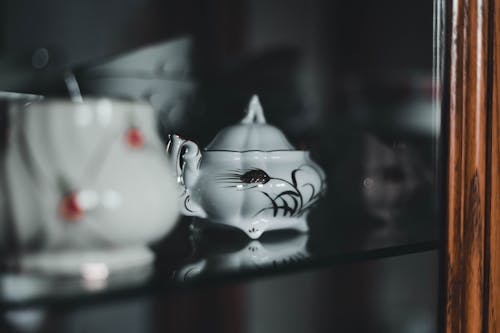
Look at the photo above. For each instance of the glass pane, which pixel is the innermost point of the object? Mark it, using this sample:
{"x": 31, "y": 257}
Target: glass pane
{"x": 354, "y": 83}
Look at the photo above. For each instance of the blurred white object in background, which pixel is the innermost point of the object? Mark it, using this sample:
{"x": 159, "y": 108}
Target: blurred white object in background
{"x": 170, "y": 58}
{"x": 87, "y": 182}
{"x": 26, "y": 320}
{"x": 172, "y": 100}
{"x": 160, "y": 74}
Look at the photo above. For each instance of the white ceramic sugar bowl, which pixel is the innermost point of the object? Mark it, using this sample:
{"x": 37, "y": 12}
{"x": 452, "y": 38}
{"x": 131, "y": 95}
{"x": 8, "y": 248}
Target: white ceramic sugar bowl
{"x": 86, "y": 182}
{"x": 249, "y": 177}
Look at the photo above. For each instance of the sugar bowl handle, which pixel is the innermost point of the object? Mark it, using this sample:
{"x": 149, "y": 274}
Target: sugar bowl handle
{"x": 185, "y": 157}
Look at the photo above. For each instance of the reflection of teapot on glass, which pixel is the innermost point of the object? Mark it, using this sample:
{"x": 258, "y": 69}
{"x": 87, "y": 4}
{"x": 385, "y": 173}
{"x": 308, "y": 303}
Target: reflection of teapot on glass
{"x": 246, "y": 255}
{"x": 249, "y": 177}
{"x": 85, "y": 182}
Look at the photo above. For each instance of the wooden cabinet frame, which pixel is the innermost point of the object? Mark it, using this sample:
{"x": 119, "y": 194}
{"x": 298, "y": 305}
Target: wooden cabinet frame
{"x": 471, "y": 125}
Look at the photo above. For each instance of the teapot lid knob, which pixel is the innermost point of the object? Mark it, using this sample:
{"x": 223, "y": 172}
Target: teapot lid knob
{"x": 255, "y": 113}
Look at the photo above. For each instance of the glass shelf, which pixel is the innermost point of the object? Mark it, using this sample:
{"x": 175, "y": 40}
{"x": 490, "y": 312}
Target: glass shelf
{"x": 396, "y": 294}
{"x": 191, "y": 256}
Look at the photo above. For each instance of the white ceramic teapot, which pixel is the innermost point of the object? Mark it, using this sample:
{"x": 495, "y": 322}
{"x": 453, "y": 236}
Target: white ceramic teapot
{"x": 249, "y": 177}
{"x": 86, "y": 182}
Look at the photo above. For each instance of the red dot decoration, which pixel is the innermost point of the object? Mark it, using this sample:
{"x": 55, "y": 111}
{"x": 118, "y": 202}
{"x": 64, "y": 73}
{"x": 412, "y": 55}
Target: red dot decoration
{"x": 134, "y": 138}
{"x": 70, "y": 208}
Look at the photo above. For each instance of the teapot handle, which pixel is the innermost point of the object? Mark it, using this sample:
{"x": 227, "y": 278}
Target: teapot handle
{"x": 185, "y": 157}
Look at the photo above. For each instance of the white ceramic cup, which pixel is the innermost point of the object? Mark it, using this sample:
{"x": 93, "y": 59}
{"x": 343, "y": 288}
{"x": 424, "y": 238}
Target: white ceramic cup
{"x": 86, "y": 177}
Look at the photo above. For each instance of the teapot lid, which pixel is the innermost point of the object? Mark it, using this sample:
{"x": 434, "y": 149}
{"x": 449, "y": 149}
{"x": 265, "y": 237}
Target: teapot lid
{"x": 251, "y": 134}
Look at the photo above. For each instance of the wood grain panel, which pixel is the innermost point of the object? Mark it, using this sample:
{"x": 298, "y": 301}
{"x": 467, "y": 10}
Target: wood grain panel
{"x": 493, "y": 180}
{"x": 468, "y": 100}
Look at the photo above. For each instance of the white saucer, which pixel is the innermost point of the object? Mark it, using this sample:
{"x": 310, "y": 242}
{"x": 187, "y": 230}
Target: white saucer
{"x": 89, "y": 265}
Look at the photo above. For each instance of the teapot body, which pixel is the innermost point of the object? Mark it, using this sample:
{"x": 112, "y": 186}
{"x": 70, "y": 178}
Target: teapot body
{"x": 86, "y": 176}
{"x": 255, "y": 191}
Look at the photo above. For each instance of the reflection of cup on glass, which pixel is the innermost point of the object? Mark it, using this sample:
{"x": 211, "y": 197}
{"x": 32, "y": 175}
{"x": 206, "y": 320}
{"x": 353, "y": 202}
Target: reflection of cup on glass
{"x": 87, "y": 183}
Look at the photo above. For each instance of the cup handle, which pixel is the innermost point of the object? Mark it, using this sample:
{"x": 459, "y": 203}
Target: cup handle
{"x": 185, "y": 158}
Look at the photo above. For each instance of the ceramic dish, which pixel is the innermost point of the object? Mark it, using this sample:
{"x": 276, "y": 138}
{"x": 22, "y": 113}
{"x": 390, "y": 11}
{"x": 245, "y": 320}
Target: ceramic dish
{"x": 249, "y": 177}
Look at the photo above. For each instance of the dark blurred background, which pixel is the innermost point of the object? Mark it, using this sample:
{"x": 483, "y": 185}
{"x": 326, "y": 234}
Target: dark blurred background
{"x": 349, "y": 80}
